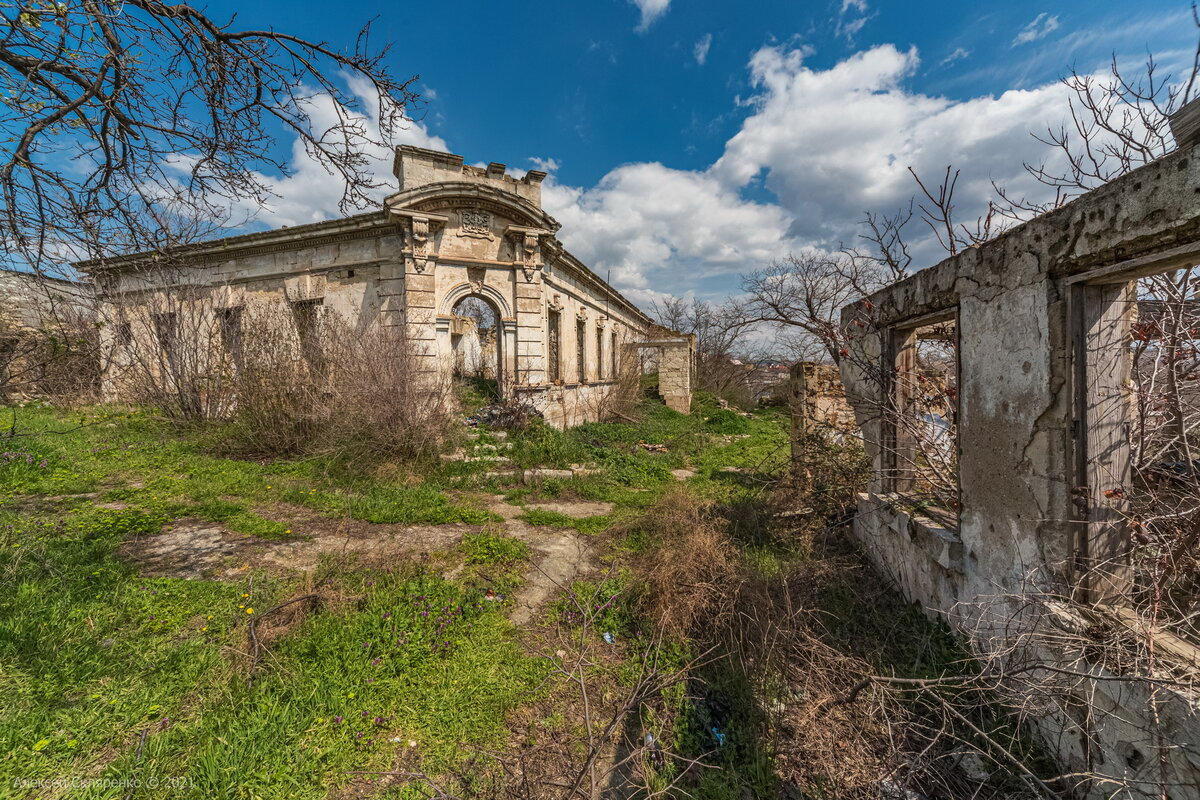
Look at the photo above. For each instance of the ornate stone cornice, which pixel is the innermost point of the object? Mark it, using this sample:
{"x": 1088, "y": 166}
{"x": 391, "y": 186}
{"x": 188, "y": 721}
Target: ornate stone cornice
{"x": 361, "y": 226}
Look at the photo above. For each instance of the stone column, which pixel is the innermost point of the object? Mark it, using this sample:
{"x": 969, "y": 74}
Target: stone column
{"x": 419, "y": 299}
{"x": 420, "y": 317}
{"x": 529, "y": 245}
{"x": 675, "y": 371}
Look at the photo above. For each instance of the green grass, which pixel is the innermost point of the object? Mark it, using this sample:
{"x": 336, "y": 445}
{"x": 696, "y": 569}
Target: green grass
{"x": 490, "y": 548}
{"x": 166, "y": 466}
{"x": 541, "y": 516}
{"x": 92, "y": 655}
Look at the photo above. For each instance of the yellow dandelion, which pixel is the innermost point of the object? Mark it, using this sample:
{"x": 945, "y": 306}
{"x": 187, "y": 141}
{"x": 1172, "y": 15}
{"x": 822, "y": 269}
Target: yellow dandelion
{"x": 249, "y": 610}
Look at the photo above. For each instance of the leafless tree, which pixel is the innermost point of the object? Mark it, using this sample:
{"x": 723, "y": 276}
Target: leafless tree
{"x": 1118, "y": 122}
{"x": 120, "y": 117}
{"x": 806, "y": 291}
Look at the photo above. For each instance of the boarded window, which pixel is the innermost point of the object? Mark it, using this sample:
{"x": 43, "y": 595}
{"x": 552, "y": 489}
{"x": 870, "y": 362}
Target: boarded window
{"x": 581, "y": 350}
{"x": 553, "y": 347}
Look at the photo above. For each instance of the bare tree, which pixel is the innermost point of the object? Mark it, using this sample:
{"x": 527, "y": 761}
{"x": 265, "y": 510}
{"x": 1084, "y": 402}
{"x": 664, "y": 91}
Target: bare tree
{"x": 121, "y": 118}
{"x": 1118, "y": 123}
{"x": 805, "y": 292}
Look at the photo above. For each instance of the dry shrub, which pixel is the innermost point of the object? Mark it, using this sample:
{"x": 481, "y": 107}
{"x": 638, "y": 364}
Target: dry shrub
{"x": 844, "y": 750}
{"x": 173, "y": 357}
{"x": 279, "y": 409}
{"x": 621, "y": 402}
{"x": 380, "y": 406}
{"x": 58, "y": 360}
{"x": 693, "y": 572}
{"x": 342, "y": 390}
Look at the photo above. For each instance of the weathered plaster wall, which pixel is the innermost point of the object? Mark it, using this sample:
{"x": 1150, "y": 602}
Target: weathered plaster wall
{"x": 1014, "y": 539}
{"x": 452, "y": 231}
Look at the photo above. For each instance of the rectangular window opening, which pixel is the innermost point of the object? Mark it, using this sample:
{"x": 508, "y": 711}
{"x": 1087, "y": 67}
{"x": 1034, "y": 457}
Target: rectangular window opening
{"x": 1138, "y": 451}
{"x": 230, "y": 322}
{"x": 921, "y": 412}
{"x": 612, "y": 355}
{"x": 553, "y": 347}
{"x": 599, "y": 353}
{"x": 581, "y": 350}
{"x": 166, "y": 333}
{"x": 307, "y": 314}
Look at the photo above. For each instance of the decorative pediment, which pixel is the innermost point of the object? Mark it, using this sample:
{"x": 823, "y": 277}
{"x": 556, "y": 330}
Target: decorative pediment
{"x": 555, "y": 303}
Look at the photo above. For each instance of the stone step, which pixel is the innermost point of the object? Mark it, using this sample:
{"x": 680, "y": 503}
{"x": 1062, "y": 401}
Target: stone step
{"x": 541, "y": 472}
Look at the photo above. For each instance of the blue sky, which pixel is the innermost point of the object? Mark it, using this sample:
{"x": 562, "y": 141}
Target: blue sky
{"x": 689, "y": 142}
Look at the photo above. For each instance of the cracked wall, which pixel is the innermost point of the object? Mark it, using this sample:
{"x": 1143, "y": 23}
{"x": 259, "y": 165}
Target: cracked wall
{"x": 1015, "y": 538}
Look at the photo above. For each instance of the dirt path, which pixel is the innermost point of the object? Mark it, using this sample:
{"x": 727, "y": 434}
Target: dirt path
{"x": 560, "y": 555}
{"x": 192, "y": 549}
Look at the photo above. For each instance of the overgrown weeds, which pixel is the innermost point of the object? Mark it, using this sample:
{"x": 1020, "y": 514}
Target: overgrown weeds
{"x": 691, "y": 573}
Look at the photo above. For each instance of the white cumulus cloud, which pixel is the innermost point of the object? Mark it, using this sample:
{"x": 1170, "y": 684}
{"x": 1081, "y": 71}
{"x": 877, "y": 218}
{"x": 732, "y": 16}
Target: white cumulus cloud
{"x": 828, "y": 145}
{"x": 310, "y": 193}
{"x": 816, "y": 150}
{"x": 700, "y": 50}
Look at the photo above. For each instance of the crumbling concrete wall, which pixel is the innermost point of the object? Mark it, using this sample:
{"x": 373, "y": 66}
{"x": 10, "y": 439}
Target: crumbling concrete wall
{"x": 1014, "y": 539}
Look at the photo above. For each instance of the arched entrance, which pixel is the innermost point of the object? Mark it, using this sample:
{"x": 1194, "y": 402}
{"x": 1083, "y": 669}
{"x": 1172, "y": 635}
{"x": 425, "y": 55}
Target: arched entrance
{"x": 476, "y": 335}
{"x": 475, "y": 339}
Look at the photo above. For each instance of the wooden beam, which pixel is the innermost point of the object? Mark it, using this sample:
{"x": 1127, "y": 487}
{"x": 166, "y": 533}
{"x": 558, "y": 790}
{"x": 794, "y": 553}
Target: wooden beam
{"x": 1105, "y": 415}
{"x": 902, "y": 367}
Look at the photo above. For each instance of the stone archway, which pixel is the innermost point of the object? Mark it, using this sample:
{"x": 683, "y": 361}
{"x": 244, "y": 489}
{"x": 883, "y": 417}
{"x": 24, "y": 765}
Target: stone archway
{"x": 451, "y": 327}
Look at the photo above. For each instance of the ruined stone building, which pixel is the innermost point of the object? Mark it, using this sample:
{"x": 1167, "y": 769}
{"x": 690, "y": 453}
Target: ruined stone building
{"x": 1018, "y": 510}
{"x": 453, "y": 233}
{"x": 35, "y": 312}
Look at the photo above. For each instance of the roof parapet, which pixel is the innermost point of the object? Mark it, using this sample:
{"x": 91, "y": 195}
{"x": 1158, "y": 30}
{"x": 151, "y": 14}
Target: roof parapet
{"x": 418, "y": 166}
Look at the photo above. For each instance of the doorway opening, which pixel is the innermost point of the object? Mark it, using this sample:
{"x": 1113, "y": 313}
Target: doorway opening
{"x": 475, "y": 339}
